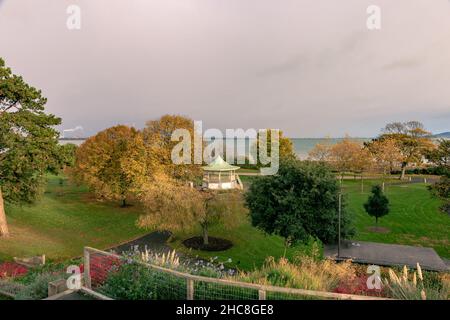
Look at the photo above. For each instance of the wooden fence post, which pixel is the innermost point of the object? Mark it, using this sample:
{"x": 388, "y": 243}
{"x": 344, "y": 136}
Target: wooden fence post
{"x": 262, "y": 294}
{"x": 87, "y": 268}
{"x": 190, "y": 289}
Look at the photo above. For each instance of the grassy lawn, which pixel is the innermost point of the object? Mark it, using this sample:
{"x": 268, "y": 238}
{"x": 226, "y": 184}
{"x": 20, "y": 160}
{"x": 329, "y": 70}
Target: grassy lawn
{"x": 65, "y": 220}
{"x": 246, "y": 170}
{"x": 414, "y": 219}
{"x": 68, "y": 218}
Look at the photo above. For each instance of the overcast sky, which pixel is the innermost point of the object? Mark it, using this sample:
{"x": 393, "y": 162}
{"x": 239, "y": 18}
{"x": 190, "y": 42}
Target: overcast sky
{"x": 308, "y": 67}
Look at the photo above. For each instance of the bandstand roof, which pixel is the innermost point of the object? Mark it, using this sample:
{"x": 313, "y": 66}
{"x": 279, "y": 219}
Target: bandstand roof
{"x": 218, "y": 164}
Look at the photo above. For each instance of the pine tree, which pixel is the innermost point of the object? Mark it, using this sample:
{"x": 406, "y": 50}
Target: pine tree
{"x": 28, "y": 141}
{"x": 378, "y": 204}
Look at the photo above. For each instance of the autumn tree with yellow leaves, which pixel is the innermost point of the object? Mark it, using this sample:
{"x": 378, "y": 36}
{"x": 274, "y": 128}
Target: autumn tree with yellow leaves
{"x": 113, "y": 163}
{"x": 386, "y": 153}
{"x": 412, "y": 140}
{"x": 346, "y": 156}
{"x": 321, "y": 152}
{"x": 174, "y": 206}
{"x": 159, "y": 144}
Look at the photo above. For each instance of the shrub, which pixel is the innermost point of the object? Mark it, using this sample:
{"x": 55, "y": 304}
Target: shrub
{"x": 312, "y": 248}
{"x": 415, "y": 287}
{"x": 305, "y": 273}
{"x": 138, "y": 282}
{"x": 12, "y": 270}
{"x": 299, "y": 202}
{"x": 48, "y": 268}
{"x": 38, "y": 289}
{"x": 101, "y": 267}
{"x": 357, "y": 286}
{"x": 438, "y": 171}
{"x": 441, "y": 188}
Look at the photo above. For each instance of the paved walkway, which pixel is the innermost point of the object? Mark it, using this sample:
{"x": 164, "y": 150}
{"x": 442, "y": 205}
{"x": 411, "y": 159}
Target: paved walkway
{"x": 155, "y": 242}
{"x": 447, "y": 263}
{"x": 387, "y": 254}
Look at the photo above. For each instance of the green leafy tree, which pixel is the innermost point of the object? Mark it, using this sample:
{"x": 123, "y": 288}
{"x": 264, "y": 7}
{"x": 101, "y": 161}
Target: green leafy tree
{"x": 378, "y": 204}
{"x": 441, "y": 158}
{"x": 28, "y": 141}
{"x": 66, "y": 157}
{"x": 299, "y": 202}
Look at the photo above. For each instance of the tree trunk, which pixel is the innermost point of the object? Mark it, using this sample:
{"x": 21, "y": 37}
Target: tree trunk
{"x": 402, "y": 176}
{"x": 124, "y": 202}
{"x": 362, "y": 184}
{"x": 205, "y": 235}
{"x": 3, "y": 223}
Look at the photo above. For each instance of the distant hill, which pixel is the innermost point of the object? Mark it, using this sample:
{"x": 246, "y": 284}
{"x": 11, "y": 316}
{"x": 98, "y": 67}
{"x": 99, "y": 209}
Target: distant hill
{"x": 442, "y": 135}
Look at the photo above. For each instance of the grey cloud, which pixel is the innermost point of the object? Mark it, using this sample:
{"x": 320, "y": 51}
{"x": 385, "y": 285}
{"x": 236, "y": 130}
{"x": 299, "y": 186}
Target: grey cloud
{"x": 293, "y": 64}
{"x": 403, "y": 64}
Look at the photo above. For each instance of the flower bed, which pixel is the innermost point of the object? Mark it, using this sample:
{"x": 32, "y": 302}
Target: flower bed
{"x": 12, "y": 270}
{"x": 358, "y": 286}
{"x": 100, "y": 268}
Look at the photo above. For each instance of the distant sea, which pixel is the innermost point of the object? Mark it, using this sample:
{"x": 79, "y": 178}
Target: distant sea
{"x": 302, "y": 146}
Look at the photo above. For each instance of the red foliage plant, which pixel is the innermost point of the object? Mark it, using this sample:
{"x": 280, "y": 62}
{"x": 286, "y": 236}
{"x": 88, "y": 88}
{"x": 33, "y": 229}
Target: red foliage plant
{"x": 358, "y": 286}
{"x": 11, "y": 270}
{"x": 100, "y": 267}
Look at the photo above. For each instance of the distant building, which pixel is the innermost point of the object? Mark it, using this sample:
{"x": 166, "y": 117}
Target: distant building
{"x": 220, "y": 175}
{"x": 73, "y": 133}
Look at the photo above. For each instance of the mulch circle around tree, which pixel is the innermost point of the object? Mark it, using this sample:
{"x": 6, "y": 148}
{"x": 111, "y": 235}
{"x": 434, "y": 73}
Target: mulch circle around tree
{"x": 379, "y": 229}
{"x": 215, "y": 244}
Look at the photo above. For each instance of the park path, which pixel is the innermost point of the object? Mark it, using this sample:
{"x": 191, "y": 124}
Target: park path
{"x": 384, "y": 254}
{"x": 156, "y": 242}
